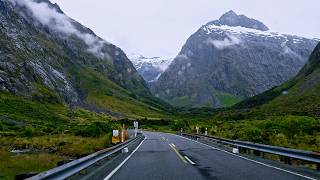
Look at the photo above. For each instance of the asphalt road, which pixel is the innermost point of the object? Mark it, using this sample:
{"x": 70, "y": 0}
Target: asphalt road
{"x": 166, "y": 156}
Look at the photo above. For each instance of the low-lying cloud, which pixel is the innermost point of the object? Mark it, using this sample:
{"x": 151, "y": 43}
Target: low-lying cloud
{"x": 230, "y": 40}
{"x": 60, "y": 22}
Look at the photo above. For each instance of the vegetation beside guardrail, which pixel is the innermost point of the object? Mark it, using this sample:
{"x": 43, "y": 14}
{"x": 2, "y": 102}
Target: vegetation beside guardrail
{"x": 76, "y": 166}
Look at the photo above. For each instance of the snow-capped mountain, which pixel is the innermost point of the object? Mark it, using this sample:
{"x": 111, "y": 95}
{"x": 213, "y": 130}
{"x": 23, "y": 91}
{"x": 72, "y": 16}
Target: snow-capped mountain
{"x": 150, "y": 68}
{"x": 229, "y": 59}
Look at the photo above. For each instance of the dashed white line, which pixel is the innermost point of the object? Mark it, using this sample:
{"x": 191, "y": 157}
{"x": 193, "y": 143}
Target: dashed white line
{"x": 120, "y": 165}
{"x": 287, "y": 171}
{"x": 189, "y": 160}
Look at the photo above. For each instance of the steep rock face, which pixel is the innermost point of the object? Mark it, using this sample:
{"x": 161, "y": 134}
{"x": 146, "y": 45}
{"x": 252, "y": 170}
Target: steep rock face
{"x": 51, "y": 53}
{"x": 229, "y": 59}
{"x": 150, "y": 68}
{"x": 299, "y": 96}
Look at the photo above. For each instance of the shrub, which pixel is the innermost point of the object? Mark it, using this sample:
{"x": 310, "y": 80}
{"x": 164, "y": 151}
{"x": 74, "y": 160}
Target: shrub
{"x": 29, "y": 132}
{"x": 178, "y": 124}
{"x": 96, "y": 129}
{"x": 253, "y": 134}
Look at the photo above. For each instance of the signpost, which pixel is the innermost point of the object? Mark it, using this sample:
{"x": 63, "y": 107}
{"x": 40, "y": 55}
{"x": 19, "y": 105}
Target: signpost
{"x": 136, "y": 125}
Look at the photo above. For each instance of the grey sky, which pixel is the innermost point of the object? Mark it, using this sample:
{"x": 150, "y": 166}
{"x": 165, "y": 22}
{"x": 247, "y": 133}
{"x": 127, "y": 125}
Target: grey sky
{"x": 161, "y": 27}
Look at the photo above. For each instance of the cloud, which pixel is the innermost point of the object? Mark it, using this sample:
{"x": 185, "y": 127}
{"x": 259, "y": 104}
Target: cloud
{"x": 60, "y": 22}
{"x": 230, "y": 40}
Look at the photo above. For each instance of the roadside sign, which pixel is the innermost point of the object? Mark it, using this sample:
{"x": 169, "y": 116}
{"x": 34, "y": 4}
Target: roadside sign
{"x": 135, "y": 124}
{"x": 115, "y": 137}
{"x": 115, "y": 133}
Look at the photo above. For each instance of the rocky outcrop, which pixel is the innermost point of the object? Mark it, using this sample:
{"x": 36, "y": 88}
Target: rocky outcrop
{"x": 53, "y": 54}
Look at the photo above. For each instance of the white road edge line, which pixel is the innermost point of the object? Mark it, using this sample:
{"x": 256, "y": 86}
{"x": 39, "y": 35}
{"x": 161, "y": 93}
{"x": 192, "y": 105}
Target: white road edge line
{"x": 287, "y": 171}
{"x": 189, "y": 160}
{"x": 123, "y": 162}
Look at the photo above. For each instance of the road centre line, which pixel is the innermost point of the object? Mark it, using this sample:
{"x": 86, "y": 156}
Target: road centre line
{"x": 178, "y": 154}
{"x": 189, "y": 160}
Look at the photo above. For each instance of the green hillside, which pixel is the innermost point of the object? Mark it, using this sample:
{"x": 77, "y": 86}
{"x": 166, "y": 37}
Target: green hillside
{"x": 298, "y": 96}
{"x": 287, "y": 115}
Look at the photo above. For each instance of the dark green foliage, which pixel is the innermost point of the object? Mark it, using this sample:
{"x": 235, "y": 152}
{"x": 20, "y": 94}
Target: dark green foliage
{"x": 95, "y": 129}
{"x": 30, "y": 132}
{"x": 26, "y": 117}
{"x": 313, "y": 64}
{"x": 178, "y": 124}
{"x": 259, "y": 99}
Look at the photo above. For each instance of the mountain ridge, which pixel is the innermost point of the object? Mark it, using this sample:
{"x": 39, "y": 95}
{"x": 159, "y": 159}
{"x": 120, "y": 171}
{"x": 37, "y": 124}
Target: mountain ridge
{"x": 53, "y": 56}
{"x": 207, "y": 72}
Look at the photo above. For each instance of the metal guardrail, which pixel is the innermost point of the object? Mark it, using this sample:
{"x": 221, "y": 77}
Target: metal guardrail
{"x": 72, "y": 168}
{"x": 312, "y": 157}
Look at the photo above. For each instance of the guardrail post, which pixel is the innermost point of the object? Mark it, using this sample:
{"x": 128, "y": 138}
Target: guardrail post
{"x": 257, "y": 153}
{"x": 243, "y": 150}
{"x": 295, "y": 162}
{"x": 287, "y": 160}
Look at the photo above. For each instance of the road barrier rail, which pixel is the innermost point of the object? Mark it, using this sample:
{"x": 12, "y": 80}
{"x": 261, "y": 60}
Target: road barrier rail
{"x": 287, "y": 153}
{"x": 74, "y": 167}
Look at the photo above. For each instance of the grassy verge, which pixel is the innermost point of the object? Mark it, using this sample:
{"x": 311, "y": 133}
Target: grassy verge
{"x": 298, "y": 132}
{"x": 51, "y": 132}
{"x": 12, "y": 164}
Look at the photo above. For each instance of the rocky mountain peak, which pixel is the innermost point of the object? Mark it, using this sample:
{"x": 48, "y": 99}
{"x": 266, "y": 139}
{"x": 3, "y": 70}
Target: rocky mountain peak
{"x": 229, "y": 59}
{"x": 233, "y": 19}
{"x": 229, "y": 15}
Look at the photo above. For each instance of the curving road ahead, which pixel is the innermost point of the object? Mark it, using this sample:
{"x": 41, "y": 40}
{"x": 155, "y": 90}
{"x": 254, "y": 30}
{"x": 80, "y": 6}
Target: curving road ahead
{"x": 166, "y": 156}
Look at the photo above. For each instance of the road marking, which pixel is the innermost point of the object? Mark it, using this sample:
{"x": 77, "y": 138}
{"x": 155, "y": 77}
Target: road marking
{"x": 178, "y": 154}
{"x": 189, "y": 160}
{"x": 287, "y": 171}
{"x": 120, "y": 165}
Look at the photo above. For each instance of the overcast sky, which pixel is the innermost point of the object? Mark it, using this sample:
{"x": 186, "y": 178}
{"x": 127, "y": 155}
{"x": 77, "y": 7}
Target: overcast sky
{"x": 161, "y": 27}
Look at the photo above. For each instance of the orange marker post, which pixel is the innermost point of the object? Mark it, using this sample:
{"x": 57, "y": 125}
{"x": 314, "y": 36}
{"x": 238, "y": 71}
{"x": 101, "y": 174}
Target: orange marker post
{"x": 123, "y": 134}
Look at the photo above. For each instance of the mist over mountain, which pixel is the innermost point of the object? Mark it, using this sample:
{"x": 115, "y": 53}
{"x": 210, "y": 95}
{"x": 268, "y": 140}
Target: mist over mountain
{"x": 47, "y": 55}
{"x": 230, "y": 59}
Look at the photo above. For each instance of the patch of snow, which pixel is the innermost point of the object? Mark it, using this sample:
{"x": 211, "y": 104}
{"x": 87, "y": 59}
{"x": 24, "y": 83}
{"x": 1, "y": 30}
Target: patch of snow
{"x": 162, "y": 63}
{"x": 211, "y": 28}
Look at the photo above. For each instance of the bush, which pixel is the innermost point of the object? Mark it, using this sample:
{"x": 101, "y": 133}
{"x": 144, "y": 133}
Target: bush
{"x": 96, "y": 129}
{"x": 2, "y": 128}
{"x": 178, "y": 124}
{"x": 253, "y": 134}
{"x": 30, "y": 132}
